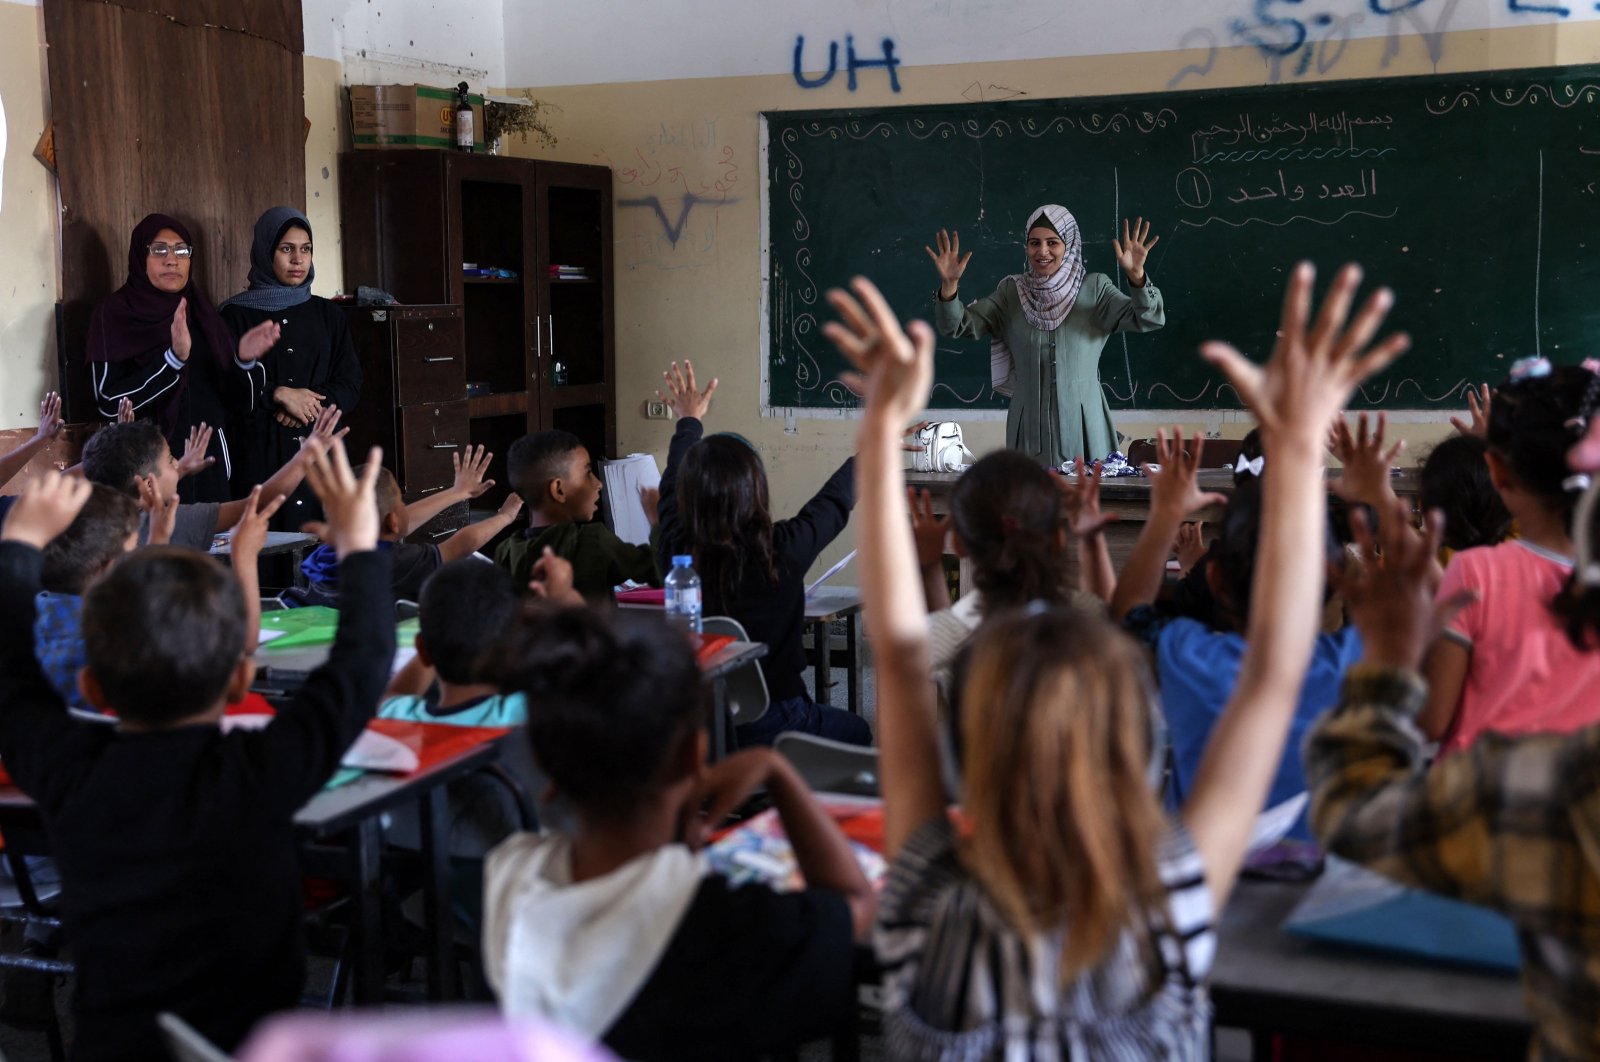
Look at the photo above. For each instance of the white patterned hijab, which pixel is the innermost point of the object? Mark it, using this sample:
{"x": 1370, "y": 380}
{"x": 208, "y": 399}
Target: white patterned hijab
{"x": 1046, "y": 301}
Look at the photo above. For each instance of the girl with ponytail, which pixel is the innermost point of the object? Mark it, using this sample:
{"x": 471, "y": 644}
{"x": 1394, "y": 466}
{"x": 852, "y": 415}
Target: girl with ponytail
{"x": 1515, "y": 660}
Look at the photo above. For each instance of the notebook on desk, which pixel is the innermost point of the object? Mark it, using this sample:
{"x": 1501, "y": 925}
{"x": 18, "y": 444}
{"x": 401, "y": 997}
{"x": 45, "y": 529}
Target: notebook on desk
{"x": 1352, "y": 905}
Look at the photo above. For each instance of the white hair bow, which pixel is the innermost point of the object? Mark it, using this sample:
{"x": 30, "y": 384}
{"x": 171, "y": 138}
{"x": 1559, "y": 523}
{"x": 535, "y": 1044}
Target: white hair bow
{"x": 1245, "y": 464}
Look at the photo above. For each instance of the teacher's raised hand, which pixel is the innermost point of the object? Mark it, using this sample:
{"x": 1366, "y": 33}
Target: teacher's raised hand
{"x": 180, "y": 331}
{"x": 950, "y": 262}
{"x": 1134, "y": 247}
{"x": 260, "y": 339}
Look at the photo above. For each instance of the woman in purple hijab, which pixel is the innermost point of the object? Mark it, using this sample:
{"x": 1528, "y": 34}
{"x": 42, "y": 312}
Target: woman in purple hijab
{"x": 159, "y": 344}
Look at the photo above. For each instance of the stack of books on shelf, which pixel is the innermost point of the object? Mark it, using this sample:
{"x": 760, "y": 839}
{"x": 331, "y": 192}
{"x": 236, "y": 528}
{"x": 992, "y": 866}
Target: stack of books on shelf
{"x": 569, "y": 272}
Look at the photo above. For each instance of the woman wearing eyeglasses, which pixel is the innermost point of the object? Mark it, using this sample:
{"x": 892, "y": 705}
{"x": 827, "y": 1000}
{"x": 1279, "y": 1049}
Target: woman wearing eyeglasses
{"x": 157, "y": 344}
{"x": 312, "y": 368}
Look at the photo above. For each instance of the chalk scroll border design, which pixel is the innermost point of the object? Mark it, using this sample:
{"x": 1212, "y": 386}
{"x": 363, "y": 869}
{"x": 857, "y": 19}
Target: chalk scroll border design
{"x": 790, "y": 175}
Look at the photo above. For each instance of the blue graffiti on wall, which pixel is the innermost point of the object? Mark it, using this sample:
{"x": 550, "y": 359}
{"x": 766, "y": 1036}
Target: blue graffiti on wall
{"x": 1288, "y": 35}
{"x": 852, "y": 63}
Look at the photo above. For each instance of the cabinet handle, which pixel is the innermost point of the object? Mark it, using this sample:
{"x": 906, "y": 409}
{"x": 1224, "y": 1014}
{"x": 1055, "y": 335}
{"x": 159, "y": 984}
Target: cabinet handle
{"x": 550, "y": 324}
{"x": 430, "y": 490}
{"x": 442, "y": 534}
{"x": 444, "y": 446}
{"x": 432, "y": 361}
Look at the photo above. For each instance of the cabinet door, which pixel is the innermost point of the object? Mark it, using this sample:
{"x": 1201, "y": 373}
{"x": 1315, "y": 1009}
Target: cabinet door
{"x": 429, "y": 435}
{"x": 491, "y": 206}
{"x": 573, "y": 243}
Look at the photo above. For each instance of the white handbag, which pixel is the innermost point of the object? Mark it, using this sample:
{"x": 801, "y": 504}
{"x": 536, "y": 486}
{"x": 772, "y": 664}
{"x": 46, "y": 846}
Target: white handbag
{"x": 942, "y": 450}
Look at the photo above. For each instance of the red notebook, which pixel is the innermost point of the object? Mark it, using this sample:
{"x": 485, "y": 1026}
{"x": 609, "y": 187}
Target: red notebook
{"x": 644, "y": 595}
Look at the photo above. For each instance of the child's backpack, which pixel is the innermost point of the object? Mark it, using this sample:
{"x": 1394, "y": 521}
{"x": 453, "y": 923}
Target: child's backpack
{"x": 942, "y": 448}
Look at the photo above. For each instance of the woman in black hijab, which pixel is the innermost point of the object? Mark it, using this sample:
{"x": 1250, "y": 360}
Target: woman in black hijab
{"x": 313, "y": 366}
{"x": 157, "y": 343}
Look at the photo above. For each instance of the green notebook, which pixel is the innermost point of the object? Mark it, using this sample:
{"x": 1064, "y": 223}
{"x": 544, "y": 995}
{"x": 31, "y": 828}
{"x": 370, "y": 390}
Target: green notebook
{"x": 316, "y": 625}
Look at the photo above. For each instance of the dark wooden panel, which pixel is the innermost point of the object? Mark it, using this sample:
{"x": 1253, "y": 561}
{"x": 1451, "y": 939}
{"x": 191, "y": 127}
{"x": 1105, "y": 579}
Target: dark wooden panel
{"x": 164, "y": 108}
{"x": 429, "y": 435}
{"x": 428, "y": 361}
{"x": 281, "y": 24}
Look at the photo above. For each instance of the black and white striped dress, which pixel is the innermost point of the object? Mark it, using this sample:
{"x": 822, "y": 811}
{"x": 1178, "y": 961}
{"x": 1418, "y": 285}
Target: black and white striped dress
{"x": 960, "y": 984}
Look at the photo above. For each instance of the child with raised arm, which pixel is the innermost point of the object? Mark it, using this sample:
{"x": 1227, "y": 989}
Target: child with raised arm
{"x": 714, "y": 507}
{"x": 1010, "y": 519}
{"x": 1507, "y": 663}
{"x": 411, "y": 563}
{"x": 619, "y": 930}
{"x": 1083, "y": 912}
{"x": 1511, "y": 823}
{"x": 133, "y": 456}
{"x": 1198, "y": 663}
{"x": 555, "y": 475}
{"x": 176, "y": 841}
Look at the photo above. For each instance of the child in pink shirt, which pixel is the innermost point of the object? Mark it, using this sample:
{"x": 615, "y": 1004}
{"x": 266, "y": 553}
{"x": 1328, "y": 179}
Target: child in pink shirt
{"x": 1506, "y": 662}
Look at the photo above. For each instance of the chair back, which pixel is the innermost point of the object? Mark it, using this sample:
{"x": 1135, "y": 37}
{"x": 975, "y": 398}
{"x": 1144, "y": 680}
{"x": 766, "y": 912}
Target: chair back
{"x": 830, "y": 766}
{"x": 186, "y": 1044}
{"x": 748, "y": 698}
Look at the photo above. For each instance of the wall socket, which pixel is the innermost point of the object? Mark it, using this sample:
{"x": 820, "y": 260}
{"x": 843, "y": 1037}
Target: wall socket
{"x": 656, "y": 410}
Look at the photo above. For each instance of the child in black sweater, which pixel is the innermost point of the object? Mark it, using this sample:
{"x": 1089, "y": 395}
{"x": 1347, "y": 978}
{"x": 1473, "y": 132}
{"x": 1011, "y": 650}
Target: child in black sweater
{"x": 181, "y": 885}
{"x": 714, "y": 506}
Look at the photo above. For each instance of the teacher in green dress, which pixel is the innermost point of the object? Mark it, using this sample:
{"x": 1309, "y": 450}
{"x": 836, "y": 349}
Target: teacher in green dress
{"x": 1046, "y": 327}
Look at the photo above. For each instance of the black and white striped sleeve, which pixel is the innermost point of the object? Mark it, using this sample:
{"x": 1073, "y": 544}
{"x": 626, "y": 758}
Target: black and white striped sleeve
{"x": 139, "y": 380}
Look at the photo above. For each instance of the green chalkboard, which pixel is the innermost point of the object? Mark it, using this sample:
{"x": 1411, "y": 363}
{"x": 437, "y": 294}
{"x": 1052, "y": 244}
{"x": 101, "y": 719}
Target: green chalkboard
{"x": 1476, "y": 197}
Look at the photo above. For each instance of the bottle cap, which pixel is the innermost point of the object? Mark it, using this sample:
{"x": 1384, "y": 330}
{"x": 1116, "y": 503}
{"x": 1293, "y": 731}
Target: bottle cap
{"x": 682, "y": 560}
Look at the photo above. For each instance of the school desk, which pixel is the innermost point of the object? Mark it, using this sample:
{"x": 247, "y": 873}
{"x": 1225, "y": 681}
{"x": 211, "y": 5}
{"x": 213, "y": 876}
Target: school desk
{"x": 1268, "y": 981}
{"x": 827, "y": 604}
{"x": 355, "y": 810}
{"x": 716, "y": 669}
{"x": 1128, "y": 498}
{"x": 293, "y": 543}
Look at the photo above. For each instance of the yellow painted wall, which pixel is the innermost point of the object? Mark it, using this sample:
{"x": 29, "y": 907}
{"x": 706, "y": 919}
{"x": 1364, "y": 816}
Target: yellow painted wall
{"x": 27, "y": 224}
{"x": 701, "y": 297}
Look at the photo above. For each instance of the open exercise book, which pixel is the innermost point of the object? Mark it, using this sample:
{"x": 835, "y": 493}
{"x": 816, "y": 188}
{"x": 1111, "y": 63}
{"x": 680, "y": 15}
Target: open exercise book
{"x": 624, "y": 478}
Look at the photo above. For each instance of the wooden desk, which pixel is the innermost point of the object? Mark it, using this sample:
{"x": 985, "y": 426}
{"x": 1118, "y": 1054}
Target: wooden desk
{"x": 1270, "y": 981}
{"x": 822, "y": 608}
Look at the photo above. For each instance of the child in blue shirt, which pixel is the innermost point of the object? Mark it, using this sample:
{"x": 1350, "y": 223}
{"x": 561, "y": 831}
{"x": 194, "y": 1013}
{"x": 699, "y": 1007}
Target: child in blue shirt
{"x": 1197, "y": 664}
{"x": 105, "y": 529}
{"x": 465, "y": 606}
{"x": 413, "y": 562}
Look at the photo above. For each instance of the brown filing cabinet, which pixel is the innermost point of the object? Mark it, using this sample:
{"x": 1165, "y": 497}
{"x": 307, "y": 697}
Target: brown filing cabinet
{"x": 414, "y": 399}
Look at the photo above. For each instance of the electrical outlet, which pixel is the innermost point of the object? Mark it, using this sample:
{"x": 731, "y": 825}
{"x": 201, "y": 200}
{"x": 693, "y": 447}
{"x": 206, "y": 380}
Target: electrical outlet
{"x": 654, "y": 410}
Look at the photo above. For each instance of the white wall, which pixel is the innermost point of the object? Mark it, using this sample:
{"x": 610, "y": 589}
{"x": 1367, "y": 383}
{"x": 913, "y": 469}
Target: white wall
{"x": 397, "y": 41}
{"x": 559, "y": 42}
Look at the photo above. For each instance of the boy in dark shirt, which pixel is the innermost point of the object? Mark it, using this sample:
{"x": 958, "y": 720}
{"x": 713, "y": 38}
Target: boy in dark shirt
{"x": 554, "y": 474}
{"x": 181, "y": 886}
{"x": 412, "y": 562}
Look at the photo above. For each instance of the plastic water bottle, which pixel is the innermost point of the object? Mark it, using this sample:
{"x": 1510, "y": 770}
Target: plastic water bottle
{"x": 683, "y": 594}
